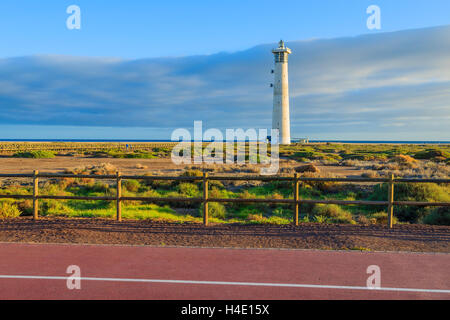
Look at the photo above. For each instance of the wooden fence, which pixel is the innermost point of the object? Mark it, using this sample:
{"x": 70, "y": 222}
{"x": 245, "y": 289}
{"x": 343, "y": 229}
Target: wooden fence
{"x": 205, "y": 199}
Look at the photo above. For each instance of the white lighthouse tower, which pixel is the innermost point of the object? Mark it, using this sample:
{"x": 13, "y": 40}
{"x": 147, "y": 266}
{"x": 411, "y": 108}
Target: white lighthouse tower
{"x": 280, "y": 117}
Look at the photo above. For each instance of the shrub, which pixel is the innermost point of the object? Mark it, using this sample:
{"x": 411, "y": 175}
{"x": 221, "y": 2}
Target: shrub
{"x": 287, "y": 171}
{"x": 431, "y": 154}
{"x": 52, "y": 189}
{"x": 188, "y": 189}
{"x": 255, "y": 217}
{"x": 140, "y": 166}
{"x": 151, "y": 194}
{"x": 41, "y": 154}
{"x": 216, "y": 193}
{"x": 132, "y": 185}
{"x": 96, "y": 187}
{"x": 160, "y": 184}
{"x": 215, "y": 210}
{"x": 438, "y": 216}
{"x": 77, "y": 170}
{"x": 103, "y": 169}
{"x": 244, "y": 211}
{"x": 381, "y": 218}
{"x": 137, "y": 154}
{"x": 352, "y": 163}
{"x": 66, "y": 182}
{"x": 404, "y": 160}
{"x": 282, "y": 212}
{"x": 8, "y": 210}
{"x": 320, "y": 219}
{"x": 323, "y": 186}
{"x": 370, "y": 175}
{"x": 423, "y": 192}
{"x": 362, "y": 157}
{"x": 55, "y": 207}
{"x": 192, "y": 173}
{"x": 333, "y": 213}
{"x": 307, "y": 168}
{"x": 100, "y": 169}
{"x": 361, "y": 219}
{"x": 26, "y": 207}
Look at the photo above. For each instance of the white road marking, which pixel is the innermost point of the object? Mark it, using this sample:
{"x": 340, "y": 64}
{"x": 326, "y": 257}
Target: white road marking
{"x": 261, "y": 284}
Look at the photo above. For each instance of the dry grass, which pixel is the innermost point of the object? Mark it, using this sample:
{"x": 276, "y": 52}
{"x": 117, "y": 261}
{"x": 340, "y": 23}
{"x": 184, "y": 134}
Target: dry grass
{"x": 140, "y": 166}
{"x": 423, "y": 170}
{"x": 405, "y": 161}
{"x": 401, "y": 166}
{"x": 101, "y": 169}
{"x": 370, "y": 175}
{"x": 227, "y": 168}
{"x": 307, "y": 168}
{"x": 360, "y": 164}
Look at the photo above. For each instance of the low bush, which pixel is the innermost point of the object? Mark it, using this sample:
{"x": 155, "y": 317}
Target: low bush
{"x": 103, "y": 169}
{"x": 370, "y": 175}
{"x": 25, "y": 207}
{"x": 8, "y": 210}
{"x": 307, "y": 168}
{"x": 159, "y": 184}
{"x": 140, "y": 166}
{"x": 333, "y": 213}
{"x": 322, "y": 186}
{"x": 90, "y": 189}
{"x": 404, "y": 160}
{"x": 189, "y": 189}
{"x": 192, "y": 173}
{"x": 215, "y": 210}
{"x": 381, "y": 218}
{"x": 39, "y": 154}
{"x": 423, "y": 192}
{"x": 438, "y": 216}
{"x": 430, "y": 154}
{"x": 132, "y": 185}
{"x": 137, "y": 154}
{"x": 56, "y": 208}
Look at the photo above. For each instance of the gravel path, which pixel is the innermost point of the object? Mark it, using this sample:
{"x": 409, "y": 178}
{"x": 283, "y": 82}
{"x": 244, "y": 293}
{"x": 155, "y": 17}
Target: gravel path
{"x": 413, "y": 238}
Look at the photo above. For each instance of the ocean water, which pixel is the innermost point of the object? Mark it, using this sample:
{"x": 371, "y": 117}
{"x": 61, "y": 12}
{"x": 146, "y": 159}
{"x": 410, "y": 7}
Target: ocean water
{"x": 311, "y": 141}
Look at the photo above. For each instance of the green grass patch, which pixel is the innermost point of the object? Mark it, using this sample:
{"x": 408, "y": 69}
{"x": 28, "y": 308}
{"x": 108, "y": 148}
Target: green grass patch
{"x": 39, "y": 154}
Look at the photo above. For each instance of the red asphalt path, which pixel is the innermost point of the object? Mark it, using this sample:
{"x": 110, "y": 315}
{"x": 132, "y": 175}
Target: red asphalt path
{"x": 299, "y": 267}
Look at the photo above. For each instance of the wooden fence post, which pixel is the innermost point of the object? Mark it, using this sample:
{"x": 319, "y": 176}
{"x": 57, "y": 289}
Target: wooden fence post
{"x": 296, "y": 205}
{"x": 118, "y": 196}
{"x": 391, "y": 200}
{"x": 35, "y": 194}
{"x": 205, "y": 198}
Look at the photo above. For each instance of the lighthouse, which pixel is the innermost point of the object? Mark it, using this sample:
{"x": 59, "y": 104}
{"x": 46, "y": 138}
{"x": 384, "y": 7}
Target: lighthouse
{"x": 280, "y": 116}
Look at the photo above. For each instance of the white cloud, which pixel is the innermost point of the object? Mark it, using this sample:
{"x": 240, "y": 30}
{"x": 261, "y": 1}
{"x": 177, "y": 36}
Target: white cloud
{"x": 363, "y": 86}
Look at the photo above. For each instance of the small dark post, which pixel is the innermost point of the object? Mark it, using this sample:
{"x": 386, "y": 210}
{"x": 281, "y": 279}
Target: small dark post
{"x": 391, "y": 200}
{"x": 119, "y": 196}
{"x": 35, "y": 194}
{"x": 205, "y": 198}
{"x": 296, "y": 198}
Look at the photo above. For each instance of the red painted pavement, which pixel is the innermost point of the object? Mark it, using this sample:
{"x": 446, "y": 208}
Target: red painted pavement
{"x": 398, "y": 270}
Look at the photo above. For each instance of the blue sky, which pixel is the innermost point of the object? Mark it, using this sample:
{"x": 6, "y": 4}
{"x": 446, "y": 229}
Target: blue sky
{"x": 169, "y": 63}
{"x": 143, "y": 29}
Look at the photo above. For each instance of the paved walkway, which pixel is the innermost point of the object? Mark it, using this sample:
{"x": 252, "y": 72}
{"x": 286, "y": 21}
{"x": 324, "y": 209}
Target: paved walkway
{"x": 38, "y": 271}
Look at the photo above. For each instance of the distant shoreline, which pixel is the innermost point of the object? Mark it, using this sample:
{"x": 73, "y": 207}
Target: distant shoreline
{"x": 167, "y": 141}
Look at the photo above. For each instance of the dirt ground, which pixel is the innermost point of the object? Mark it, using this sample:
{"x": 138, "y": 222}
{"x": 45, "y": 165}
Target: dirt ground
{"x": 413, "y": 238}
{"x": 129, "y": 166}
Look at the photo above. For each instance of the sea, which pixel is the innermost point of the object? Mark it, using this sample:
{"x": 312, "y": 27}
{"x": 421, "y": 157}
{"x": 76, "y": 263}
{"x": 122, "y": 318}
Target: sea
{"x": 310, "y": 141}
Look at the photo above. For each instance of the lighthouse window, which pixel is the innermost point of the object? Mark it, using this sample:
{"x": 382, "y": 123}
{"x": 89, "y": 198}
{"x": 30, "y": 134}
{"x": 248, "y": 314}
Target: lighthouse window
{"x": 280, "y": 57}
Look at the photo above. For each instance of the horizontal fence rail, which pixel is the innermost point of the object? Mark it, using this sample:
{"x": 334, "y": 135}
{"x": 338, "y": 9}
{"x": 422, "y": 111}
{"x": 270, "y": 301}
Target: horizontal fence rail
{"x": 296, "y": 201}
